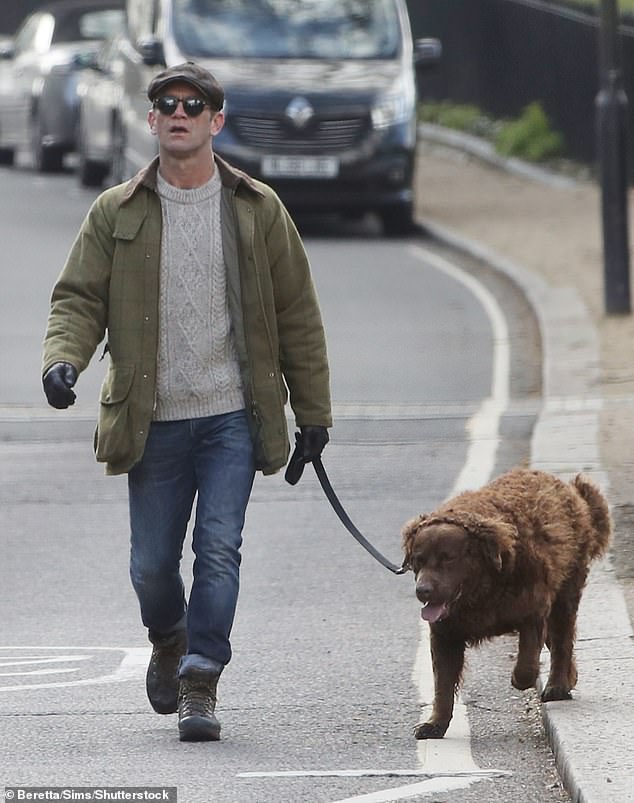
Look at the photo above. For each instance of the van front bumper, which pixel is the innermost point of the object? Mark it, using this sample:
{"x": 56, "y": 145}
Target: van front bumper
{"x": 384, "y": 180}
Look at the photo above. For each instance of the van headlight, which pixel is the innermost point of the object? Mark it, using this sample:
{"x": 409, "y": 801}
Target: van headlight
{"x": 396, "y": 106}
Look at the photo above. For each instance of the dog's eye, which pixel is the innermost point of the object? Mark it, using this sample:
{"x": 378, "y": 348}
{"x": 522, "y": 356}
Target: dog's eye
{"x": 445, "y": 557}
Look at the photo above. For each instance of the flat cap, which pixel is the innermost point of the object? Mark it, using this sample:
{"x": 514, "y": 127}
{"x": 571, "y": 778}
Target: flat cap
{"x": 193, "y": 74}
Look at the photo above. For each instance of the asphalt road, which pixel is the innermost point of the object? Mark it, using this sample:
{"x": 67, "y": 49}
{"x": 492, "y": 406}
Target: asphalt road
{"x": 328, "y": 674}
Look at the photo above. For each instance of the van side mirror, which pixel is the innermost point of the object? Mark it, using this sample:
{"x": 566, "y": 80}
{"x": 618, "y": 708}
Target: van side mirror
{"x": 7, "y": 50}
{"x": 427, "y": 52}
{"x": 151, "y": 51}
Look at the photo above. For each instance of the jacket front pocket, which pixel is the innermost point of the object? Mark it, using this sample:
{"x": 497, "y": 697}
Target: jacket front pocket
{"x": 114, "y": 436}
{"x": 270, "y": 431}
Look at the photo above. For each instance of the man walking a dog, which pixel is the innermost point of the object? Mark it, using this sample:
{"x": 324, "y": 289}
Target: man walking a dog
{"x": 198, "y": 277}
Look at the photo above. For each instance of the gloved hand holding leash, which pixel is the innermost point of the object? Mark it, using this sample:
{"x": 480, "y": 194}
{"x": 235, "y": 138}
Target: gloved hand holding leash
{"x": 309, "y": 444}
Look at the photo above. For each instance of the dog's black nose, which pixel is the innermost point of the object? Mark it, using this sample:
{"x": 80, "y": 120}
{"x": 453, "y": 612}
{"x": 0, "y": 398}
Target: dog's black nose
{"x": 424, "y": 591}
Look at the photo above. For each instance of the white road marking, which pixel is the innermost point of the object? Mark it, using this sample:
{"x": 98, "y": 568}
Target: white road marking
{"x": 30, "y": 672}
{"x": 452, "y": 754}
{"x": 483, "y": 427}
{"x": 370, "y": 774}
{"x": 32, "y": 659}
{"x": 132, "y": 666}
{"x": 433, "y": 786}
{"x": 433, "y": 783}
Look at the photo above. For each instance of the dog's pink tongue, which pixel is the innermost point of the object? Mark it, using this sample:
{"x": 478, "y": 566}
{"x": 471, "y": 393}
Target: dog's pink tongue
{"x": 432, "y": 613}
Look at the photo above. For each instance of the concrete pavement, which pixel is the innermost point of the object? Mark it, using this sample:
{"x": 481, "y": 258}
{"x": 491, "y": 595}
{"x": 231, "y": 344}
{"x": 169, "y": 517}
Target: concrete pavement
{"x": 544, "y": 231}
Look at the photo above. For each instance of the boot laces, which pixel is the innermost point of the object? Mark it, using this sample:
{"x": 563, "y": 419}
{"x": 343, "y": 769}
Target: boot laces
{"x": 197, "y": 699}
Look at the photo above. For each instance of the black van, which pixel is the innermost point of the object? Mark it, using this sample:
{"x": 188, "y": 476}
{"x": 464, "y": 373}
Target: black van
{"x": 320, "y": 94}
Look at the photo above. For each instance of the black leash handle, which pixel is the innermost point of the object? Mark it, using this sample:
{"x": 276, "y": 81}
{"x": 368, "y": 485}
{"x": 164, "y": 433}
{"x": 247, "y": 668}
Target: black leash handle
{"x": 294, "y": 472}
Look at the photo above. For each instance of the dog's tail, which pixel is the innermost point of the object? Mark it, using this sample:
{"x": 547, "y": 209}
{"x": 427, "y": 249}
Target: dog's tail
{"x": 599, "y": 513}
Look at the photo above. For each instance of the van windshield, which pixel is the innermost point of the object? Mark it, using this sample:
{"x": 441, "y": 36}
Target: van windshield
{"x": 293, "y": 29}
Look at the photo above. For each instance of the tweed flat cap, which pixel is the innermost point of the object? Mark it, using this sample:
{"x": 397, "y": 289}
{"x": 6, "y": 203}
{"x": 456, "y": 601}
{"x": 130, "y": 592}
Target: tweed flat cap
{"x": 192, "y": 74}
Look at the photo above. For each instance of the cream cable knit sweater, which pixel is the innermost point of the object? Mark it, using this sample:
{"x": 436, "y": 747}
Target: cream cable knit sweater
{"x": 198, "y": 372}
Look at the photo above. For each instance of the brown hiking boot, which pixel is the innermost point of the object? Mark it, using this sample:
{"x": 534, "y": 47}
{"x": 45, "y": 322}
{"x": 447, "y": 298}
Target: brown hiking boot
{"x": 196, "y": 705}
{"x": 161, "y": 681}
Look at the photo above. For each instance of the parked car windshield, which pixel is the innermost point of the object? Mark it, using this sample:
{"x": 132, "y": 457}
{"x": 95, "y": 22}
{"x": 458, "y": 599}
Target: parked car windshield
{"x": 294, "y": 29}
{"x": 43, "y": 29}
{"x": 100, "y": 23}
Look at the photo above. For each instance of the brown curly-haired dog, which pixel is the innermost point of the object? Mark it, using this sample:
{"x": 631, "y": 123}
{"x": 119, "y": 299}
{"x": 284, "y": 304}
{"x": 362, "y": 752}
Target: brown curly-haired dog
{"x": 511, "y": 556}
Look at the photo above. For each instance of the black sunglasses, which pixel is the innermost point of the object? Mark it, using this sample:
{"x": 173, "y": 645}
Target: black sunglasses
{"x": 167, "y": 104}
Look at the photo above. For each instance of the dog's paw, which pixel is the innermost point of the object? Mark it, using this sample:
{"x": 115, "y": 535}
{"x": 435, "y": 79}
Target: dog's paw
{"x": 523, "y": 680}
{"x": 552, "y": 693}
{"x": 430, "y": 730}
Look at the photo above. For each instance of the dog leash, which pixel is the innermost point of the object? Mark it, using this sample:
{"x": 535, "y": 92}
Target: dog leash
{"x": 293, "y": 473}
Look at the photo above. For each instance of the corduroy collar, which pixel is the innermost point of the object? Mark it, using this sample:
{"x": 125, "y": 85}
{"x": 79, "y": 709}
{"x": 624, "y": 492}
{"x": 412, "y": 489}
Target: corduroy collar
{"x": 229, "y": 175}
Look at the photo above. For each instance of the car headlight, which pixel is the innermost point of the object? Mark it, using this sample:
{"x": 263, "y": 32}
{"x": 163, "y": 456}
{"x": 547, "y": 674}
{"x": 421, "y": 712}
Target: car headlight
{"x": 396, "y": 106}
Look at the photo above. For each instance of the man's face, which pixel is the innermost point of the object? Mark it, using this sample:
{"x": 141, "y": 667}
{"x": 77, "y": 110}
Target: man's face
{"x": 179, "y": 133}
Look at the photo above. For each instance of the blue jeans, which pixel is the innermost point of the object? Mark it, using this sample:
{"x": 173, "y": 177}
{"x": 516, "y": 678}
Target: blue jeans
{"x": 211, "y": 457}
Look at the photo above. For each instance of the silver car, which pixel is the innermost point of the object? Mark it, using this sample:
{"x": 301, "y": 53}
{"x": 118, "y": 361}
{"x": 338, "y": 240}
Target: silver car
{"x": 38, "y": 77}
{"x": 99, "y": 88}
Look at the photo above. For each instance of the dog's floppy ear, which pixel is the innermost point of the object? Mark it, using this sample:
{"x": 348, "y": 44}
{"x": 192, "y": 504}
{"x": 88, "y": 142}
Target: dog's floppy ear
{"x": 409, "y": 530}
{"x": 496, "y": 539}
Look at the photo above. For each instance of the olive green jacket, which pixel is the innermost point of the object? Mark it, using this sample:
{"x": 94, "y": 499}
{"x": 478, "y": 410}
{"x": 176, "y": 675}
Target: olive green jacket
{"x": 110, "y": 284}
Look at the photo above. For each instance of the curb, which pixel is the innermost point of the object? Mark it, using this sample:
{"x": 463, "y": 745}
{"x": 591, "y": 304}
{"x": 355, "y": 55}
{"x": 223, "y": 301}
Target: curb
{"x": 591, "y": 737}
{"x": 483, "y": 150}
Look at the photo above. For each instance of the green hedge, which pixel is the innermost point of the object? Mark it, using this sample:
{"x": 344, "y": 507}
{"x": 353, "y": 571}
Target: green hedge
{"x": 530, "y": 136}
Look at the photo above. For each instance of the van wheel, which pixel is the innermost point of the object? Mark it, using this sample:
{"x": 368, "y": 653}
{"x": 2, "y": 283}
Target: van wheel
{"x": 398, "y": 220}
{"x": 91, "y": 173}
{"x": 118, "y": 171}
{"x": 7, "y": 156}
{"x": 45, "y": 160}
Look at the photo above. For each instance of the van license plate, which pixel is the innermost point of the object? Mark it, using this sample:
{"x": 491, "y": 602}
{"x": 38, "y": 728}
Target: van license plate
{"x": 300, "y": 167}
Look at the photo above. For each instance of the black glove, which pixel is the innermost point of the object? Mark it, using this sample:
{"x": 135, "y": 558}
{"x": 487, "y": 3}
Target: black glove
{"x": 313, "y": 441}
{"x": 308, "y": 445}
{"x": 58, "y": 381}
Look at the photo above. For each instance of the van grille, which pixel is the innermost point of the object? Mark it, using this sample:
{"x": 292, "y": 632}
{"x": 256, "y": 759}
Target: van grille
{"x": 319, "y": 136}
